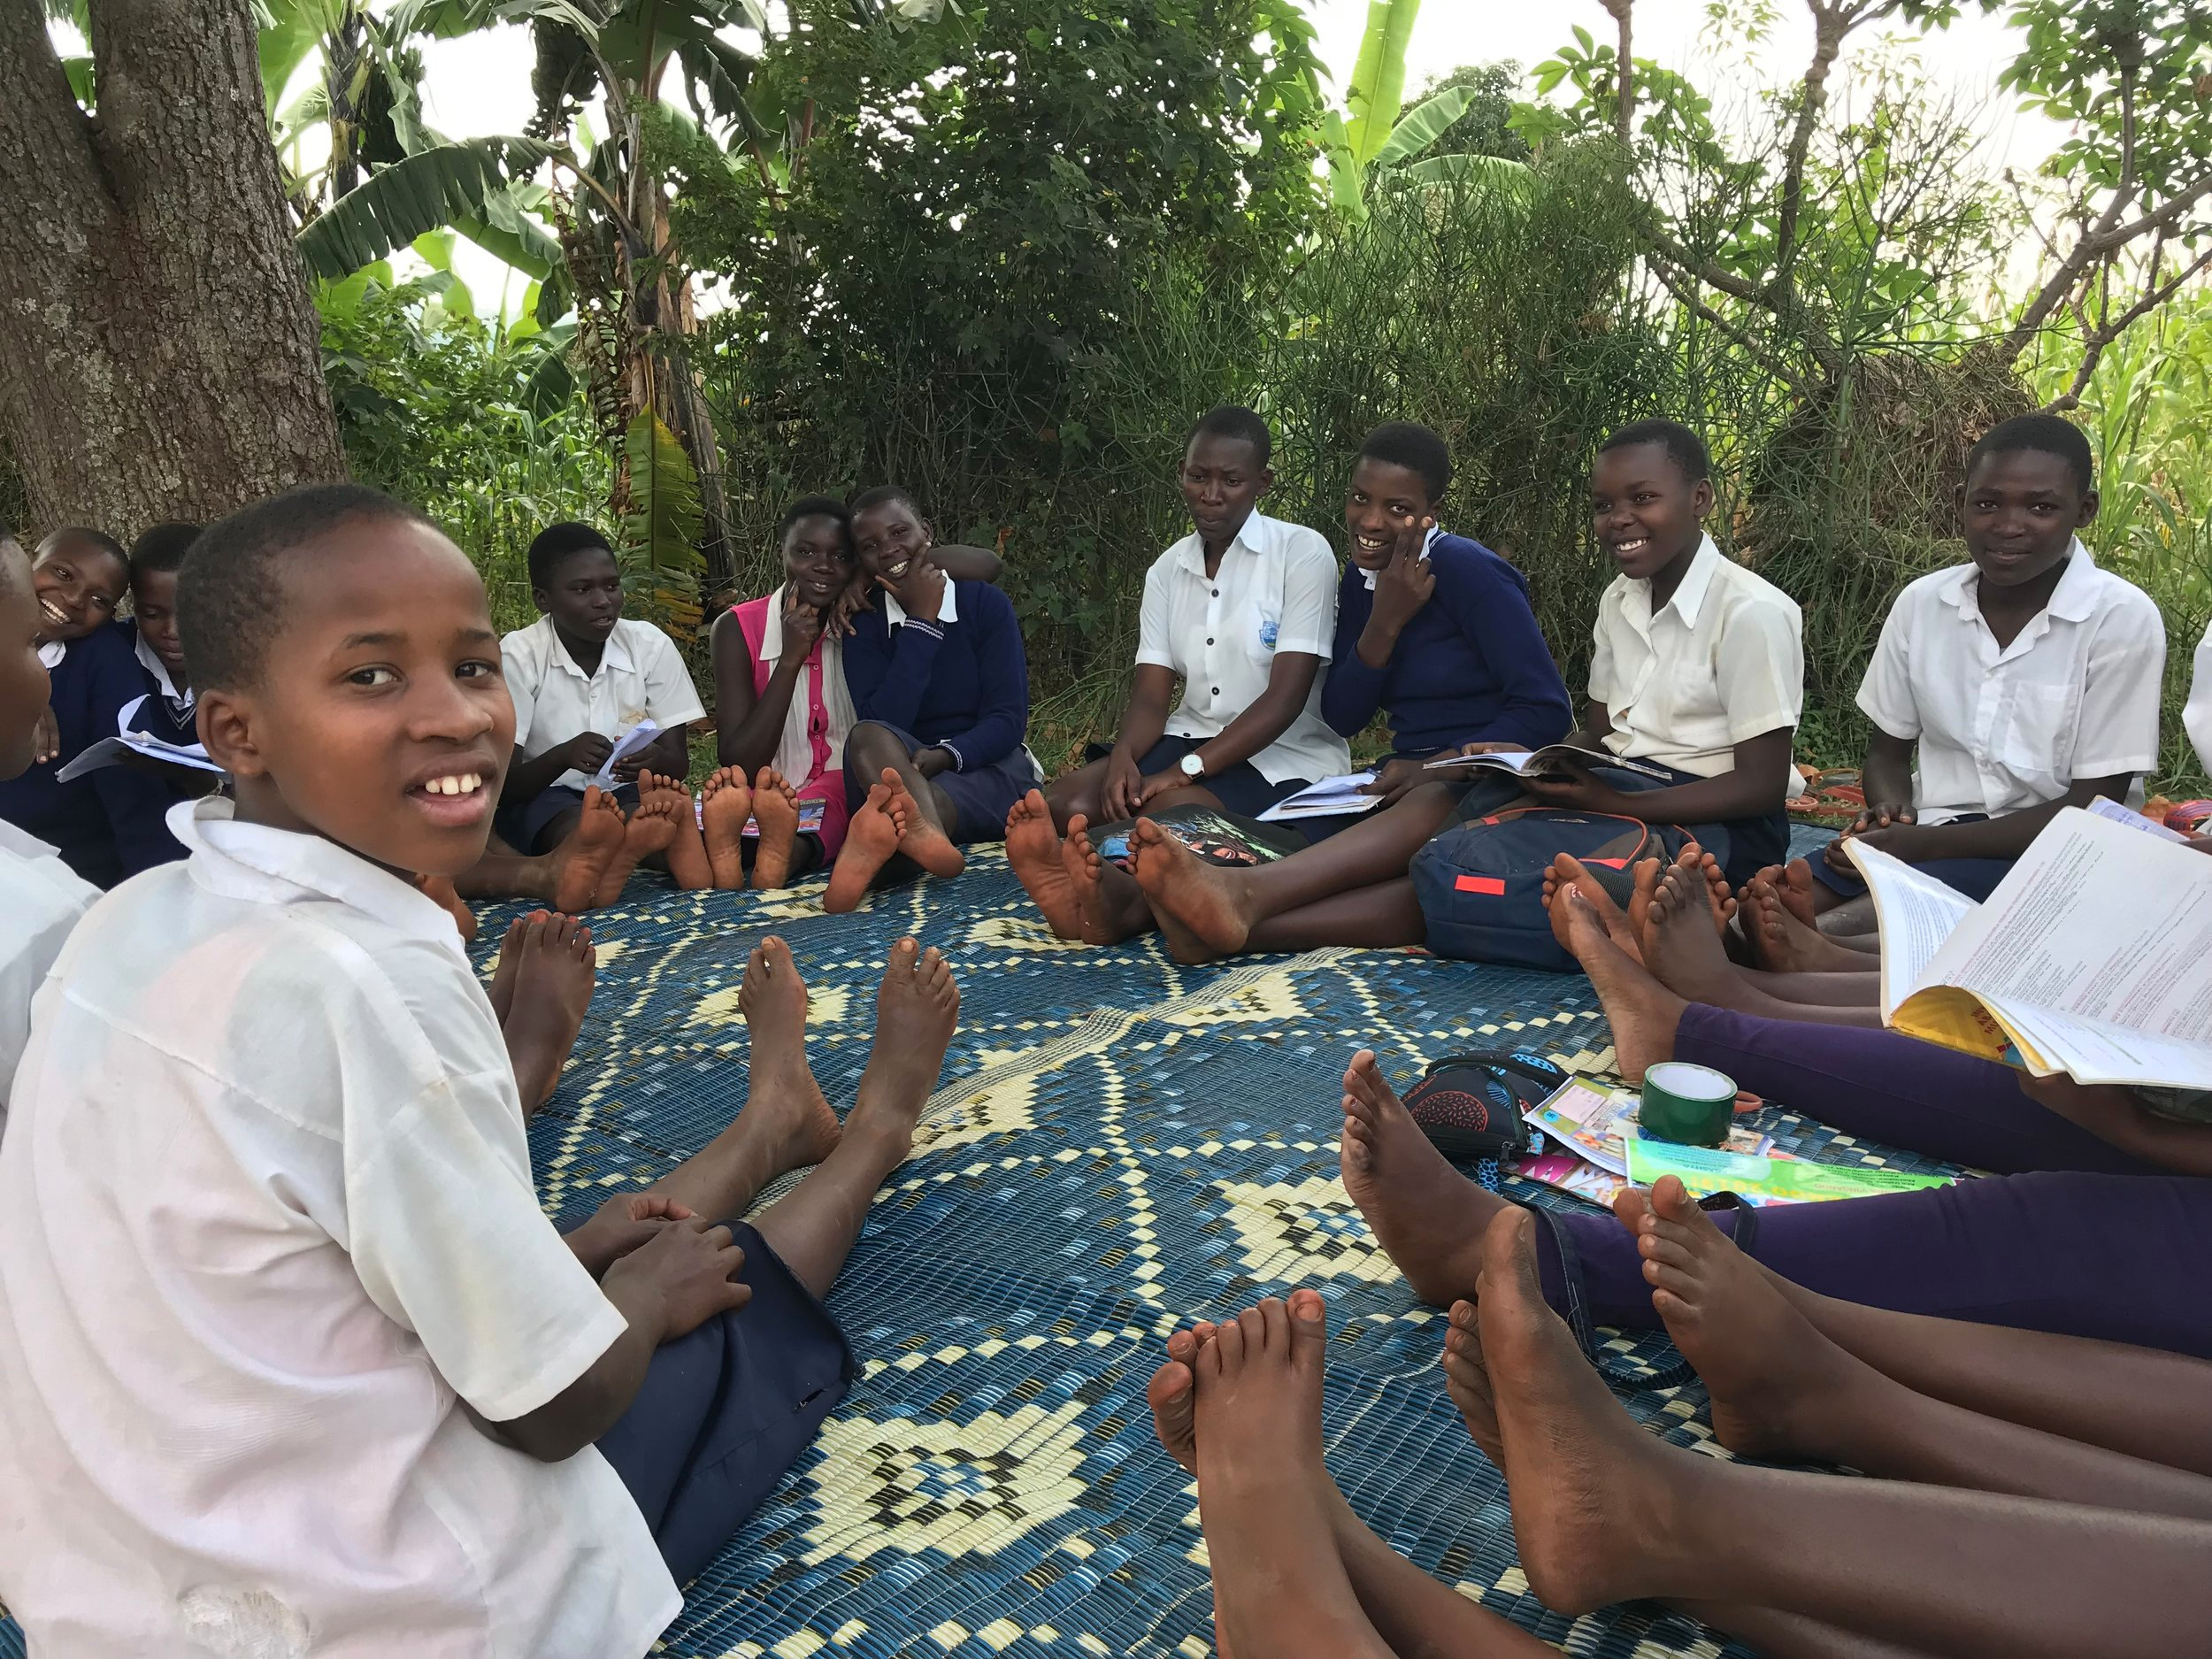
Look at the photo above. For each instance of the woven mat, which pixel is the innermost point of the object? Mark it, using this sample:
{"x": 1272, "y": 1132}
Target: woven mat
{"x": 1121, "y": 1145}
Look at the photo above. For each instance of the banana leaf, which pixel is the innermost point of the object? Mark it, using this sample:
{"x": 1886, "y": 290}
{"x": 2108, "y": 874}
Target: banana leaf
{"x": 426, "y": 192}
{"x": 662, "y": 530}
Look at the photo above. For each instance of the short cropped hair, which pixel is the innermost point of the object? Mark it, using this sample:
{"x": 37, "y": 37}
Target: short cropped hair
{"x": 162, "y": 547}
{"x": 1417, "y": 448}
{"x": 99, "y": 539}
{"x": 2047, "y": 435}
{"x": 1234, "y": 420}
{"x": 230, "y": 591}
{"x": 817, "y": 507}
{"x": 883, "y": 495}
{"x": 1684, "y": 446}
{"x": 558, "y": 543}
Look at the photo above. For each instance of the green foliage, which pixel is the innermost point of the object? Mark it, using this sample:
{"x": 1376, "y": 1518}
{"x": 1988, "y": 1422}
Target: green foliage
{"x": 1379, "y": 79}
{"x": 434, "y": 406}
{"x": 661, "y": 528}
{"x": 1484, "y": 125}
{"x": 443, "y": 184}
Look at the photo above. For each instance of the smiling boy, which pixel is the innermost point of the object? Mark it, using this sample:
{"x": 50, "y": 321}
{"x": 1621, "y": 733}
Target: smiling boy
{"x": 581, "y": 675}
{"x": 107, "y": 824}
{"x": 298, "y": 1364}
{"x": 2009, "y": 688}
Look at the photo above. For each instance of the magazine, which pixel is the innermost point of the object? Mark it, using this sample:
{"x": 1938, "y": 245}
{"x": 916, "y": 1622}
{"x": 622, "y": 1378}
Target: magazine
{"x": 1595, "y": 1122}
{"x": 2092, "y": 958}
{"x": 1332, "y": 797}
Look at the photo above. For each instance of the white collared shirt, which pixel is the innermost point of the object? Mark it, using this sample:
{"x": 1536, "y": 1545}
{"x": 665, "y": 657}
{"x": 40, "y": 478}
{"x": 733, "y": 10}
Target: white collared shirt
{"x": 2196, "y": 718}
{"x": 50, "y": 654}
{"x": 265, "y": 1220}
{"x": 1723, "y": 661}
{"x": 149, "y": 660}
{"x": 947, "y": 609}
{"x": 1276, "y": 591}
{"x": 641, "y": 675}
{"x": 41, "y": 899}
{"x": 2074, "y": 695}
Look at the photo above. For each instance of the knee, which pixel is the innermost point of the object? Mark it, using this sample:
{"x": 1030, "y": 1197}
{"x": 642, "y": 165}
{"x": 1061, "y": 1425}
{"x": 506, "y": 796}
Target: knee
{"x": 873, "y": 746}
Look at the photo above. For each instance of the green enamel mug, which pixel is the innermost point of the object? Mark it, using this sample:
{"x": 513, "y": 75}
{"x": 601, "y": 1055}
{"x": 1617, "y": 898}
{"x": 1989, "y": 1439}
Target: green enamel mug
{"x": 1691, "y": 1104}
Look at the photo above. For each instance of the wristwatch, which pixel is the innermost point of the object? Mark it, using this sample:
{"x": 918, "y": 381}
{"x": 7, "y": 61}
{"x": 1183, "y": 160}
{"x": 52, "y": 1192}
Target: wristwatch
{"x": 1194, "y": 768}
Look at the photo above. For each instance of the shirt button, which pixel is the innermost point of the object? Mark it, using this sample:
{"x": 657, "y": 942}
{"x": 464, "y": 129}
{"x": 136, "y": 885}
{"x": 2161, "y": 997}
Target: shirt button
{"x": 1216, "y": 691}
{"x": 1217, "y": 592}
{"x": 1210, "y": 640}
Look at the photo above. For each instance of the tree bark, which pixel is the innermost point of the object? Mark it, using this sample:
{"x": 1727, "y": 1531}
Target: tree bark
{"x": 159, "y": 357}
{"x": 1624, "y": 94}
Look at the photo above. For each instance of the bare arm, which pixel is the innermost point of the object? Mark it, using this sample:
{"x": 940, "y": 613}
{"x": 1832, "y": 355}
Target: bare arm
{"x": 1752, "y": 787}
{"x": 2006, "y": 837}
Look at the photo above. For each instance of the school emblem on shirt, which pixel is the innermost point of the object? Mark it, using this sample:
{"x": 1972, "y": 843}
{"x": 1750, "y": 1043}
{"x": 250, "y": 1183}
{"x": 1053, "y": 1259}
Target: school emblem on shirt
{"x": 1267, "y": 631}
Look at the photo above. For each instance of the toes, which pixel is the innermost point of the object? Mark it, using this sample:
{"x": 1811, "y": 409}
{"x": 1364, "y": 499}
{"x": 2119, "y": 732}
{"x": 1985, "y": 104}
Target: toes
{"x": 905, "y": 954}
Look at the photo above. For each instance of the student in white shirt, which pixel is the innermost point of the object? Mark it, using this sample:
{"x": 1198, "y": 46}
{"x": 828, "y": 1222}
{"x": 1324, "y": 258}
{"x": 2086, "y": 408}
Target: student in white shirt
{"x": 1699, "y": 669}
{"x": 1244, "y": 610}
{"x": 297, "y": 1363}
{"x": 41, "y": 896}
{"x": 2005, "y": 689}
{"x": 2196, "y": 718}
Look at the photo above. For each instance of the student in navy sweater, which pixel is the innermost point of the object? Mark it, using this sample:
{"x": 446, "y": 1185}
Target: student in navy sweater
{"x": 941, "y": 685}
{"x": 1435, "y": 630}
{"x": 106, "y": 825}
{"x": 169, "y": 712}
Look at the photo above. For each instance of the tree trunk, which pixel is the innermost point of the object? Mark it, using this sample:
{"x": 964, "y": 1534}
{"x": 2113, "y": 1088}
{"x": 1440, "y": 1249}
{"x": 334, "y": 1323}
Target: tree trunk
{"x": 160, "y": 353}
{"x": 1624, "y": 94}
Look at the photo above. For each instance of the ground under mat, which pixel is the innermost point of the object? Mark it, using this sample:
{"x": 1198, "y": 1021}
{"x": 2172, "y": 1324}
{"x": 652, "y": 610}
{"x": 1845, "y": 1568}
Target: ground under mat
{"x": 1121, "y": 1145}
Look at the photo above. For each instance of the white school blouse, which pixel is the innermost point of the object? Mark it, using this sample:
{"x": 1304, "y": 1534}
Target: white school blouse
{"x": 641, "y": 673}
{"x": 41, "y": 899}
{"x": 1722, "y": 660}
{"x": 2196, "y": 718}
{"x": 1275, "y": 591}
{"x": 2074, "y": 695}
{"x": 265, "y": 1223}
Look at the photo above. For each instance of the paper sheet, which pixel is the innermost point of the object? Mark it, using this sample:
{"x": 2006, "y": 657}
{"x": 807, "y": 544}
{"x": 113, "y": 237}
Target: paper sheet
{"x": 1916, "y": 913}
{"x": 1330, "y": 798}
{"x": 1705, "y": 1170}
{"x": 631, "y": 740}
{"x": 109, "y": 751}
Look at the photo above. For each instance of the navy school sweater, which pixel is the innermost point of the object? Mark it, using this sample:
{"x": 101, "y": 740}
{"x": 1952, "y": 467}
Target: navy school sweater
{"x": 1471, "y": 665}
{"x": 107, "y": 824}
{"x": 963, "y": 684}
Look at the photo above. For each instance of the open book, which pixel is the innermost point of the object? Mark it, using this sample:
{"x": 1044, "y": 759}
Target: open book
{"x": 2094, "y": 956}
{"x": 112, "y": 751}
{"x": 1332, "y": 797}
{"x": 1553, "y": 758}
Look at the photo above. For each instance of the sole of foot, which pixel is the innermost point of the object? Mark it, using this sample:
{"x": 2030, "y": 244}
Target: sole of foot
{"x": 580, "y": 865}
{"x": 554, "y": 969}
{"x": 1596, "y": 1504}
{"x": 1196, "y": 904}
{"x": 725, "y": 807}
{"x": 687, "y": 861}
{"x": 1719, "y": 900}
{"x": 780, "y": 1085}
{"x": 1102, "y": 917}
{"x": 1641, "y": 1012}
{"x": 776, "y": 810}
{"x": 920, "y": 838}
{"x": 1772, "y": 1377}
{"x": 918, "y": 1007}
{"x": 1794, "y": 884}
{"x": 651, "y": 830}
{"x": 871, "y": 839}
{"x": 1681, "y": 947}
{"x": 1169, "y": 1396}
{"x": 1427, "y": 1216}
{"x": 1569, "y": 873}
{"x": 1032, "y": 847}
{"x": 1785, "y": 945}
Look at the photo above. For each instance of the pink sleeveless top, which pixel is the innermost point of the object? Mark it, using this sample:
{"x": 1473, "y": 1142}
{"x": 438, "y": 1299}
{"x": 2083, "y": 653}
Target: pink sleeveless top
{"x": 823, "y": 781}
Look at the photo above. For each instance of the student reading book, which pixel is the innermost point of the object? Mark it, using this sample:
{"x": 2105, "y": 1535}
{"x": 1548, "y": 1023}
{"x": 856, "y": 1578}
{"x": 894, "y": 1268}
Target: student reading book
{"x": 2006, "y": 688}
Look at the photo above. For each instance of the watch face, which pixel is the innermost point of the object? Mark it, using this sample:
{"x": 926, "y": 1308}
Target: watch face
{"x": 1193, "y": 765}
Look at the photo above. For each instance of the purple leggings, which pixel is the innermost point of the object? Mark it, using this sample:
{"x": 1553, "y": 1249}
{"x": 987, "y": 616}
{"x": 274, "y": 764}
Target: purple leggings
{"x": 2070, "y": 1235}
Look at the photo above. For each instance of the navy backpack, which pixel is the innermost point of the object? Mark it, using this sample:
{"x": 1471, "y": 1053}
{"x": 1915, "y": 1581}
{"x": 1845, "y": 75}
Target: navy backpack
{"x": 1480, "y": 883}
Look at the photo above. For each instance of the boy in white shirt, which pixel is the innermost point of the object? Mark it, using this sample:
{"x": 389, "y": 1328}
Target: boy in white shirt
{"x": 2006, "y": 688}
{"x": 41, "y": 896}
{"x": 297, "y": 1364}
{"x": 1243, "y": 612}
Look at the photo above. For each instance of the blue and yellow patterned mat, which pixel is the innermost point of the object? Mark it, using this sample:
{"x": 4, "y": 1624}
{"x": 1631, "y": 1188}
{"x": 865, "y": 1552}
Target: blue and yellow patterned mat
{"x": 1120, "y": 1145}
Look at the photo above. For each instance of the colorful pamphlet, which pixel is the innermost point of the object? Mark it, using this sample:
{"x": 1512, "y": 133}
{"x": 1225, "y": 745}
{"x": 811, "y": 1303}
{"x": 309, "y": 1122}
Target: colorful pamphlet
{"x": 1760, "y": 1180}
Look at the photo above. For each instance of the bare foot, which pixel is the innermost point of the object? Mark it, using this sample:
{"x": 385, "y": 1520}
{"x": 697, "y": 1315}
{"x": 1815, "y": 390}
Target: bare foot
{"x": 501, "y": 989}
{"x": 1643, "y": 1012}
{"x": 917, "y": 1010}
{"x": 1203, "y": 910}
{"x": 581, "y": 863}
{"x": 1109, "y": 906}
{"x": 1777, "y": 1384}
{"x": 1646, "y": 883}
{"x": 726, "y": 805}
{"x": 1170, "y": 1396}
{"x": 1032, "y": 846}
{"x": 687, "y": 860}
{"x": 553, "y": 979}
{"x": 1717, "y": 897}
{"x": 440, "y": 888}
{"x": 1569, "y": 871}
{"x": 1598, "y": 1504}
{"x": 780, "y": 1087}
{"x": 870, "y": 838}
{"x": 1794, "y": 885}
{"x": 1264, "y": 1497}
{"x": 1468, "y": 1381}
{"x": 776, "y": 811}
{"x": 1427, "y": 1216}
{"x": 651, "y": 829}
{"x": 1782, "y": 944}
{"x": 1680, "y": 946}
{"x": 921, "y": 838}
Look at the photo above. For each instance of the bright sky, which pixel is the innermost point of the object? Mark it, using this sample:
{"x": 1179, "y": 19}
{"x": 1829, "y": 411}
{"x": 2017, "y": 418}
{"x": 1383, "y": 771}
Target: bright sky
{"x": 479, "y": 84}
